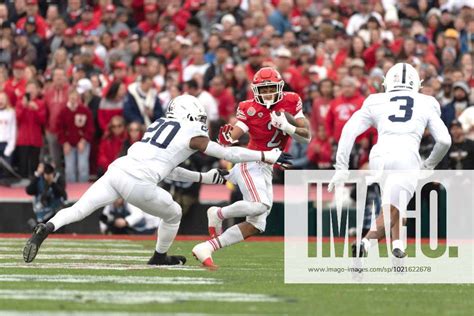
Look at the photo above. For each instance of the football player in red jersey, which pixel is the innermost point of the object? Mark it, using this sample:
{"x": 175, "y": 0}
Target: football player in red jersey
{"x": 267, "y": 129}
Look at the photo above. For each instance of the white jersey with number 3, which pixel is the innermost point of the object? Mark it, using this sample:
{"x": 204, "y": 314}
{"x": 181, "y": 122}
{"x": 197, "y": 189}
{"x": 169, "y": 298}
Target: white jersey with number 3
{"x": 401, "y": 118}
{"x": 164, "y": 146}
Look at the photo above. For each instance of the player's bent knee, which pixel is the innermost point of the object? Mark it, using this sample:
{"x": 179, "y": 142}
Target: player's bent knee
{"x": 257, "y": 208}
{"x": 173, "y": 214}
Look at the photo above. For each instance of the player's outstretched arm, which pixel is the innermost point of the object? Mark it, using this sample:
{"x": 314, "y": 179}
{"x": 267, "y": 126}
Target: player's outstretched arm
{"x": 356, "y": 125}
{"x": 213, "y": 176}
{"x": 442, "y": 138}
{"x": 238, "y": 154}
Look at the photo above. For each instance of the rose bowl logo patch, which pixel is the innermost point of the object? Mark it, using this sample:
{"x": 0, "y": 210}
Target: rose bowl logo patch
{"x": 251, "y": 111}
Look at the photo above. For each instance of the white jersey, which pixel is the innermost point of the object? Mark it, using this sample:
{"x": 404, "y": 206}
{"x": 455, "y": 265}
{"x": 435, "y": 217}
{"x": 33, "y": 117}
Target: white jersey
{"x": 401, "y": 118}
{"x": 164, "y": 146}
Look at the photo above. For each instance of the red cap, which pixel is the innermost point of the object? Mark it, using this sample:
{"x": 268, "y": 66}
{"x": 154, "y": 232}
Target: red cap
{"x": 151, "y": 8}
{"x": 255, "y": 51}
{"x": 69, "y": 32}
{"x": 141, "y": 61}
{"x": 120, "y": 65}
{"x": 123, "y": 34}
{"x": 19, "y": 64}
{"x": 31, "y": 2}
{"x": 110, "y": 8}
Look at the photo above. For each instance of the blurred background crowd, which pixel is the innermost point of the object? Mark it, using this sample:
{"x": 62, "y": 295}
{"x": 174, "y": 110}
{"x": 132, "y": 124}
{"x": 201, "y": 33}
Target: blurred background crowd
{"x": 80, "y": 80}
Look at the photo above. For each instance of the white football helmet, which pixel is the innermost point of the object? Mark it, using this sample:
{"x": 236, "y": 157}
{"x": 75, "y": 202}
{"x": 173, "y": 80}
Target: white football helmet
{"x": 402, "y": 76}
{"x": 186, "y": 107}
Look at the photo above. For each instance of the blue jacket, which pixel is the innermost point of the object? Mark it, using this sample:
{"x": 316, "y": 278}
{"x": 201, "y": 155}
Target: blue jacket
{"x": 131, "y": 112}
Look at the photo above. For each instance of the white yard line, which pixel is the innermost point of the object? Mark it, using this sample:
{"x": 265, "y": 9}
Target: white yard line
{"x": 133, "y": 297}
{"x": 102, "y": 313}
{"x": 108, "y": 279}
{"x": 80, "y": 257}
{"x": 47, "y": 249}
{"x": 94, "y": 266}
{"x": 75, "y": 244}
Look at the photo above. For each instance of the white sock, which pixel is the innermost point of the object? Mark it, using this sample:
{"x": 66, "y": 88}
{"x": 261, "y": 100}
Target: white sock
{"x": 398, "y": 244}
{"x": 166, "y": 235}
{"x": 366, "y": 243}
{"x": 242, "y": 209}
{"x": 65, "y": 217}
{"x": 231, "y": 236}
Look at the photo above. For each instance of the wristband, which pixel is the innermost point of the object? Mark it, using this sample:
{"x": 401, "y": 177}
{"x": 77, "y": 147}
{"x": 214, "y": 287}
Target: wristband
{"x": 290, "y": 129}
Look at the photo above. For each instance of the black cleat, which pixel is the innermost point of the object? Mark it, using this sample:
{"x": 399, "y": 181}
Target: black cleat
{"x": 162, "y": 259}
{"x": 398, "y": 253}
{"x": 362, "y": 251}
{"x": 40, "y": 232}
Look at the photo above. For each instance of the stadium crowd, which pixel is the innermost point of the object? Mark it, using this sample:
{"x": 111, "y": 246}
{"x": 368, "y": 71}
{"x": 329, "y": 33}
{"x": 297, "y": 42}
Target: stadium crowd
{"x": 80, "y": 80}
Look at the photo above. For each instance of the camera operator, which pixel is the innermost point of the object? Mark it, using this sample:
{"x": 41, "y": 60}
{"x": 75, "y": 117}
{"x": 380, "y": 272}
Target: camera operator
{"x": 49, "y": 190}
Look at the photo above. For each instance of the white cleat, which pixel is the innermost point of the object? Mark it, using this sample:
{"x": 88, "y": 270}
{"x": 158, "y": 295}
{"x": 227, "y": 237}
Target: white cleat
{"x": 214, "y": 222}
{"x": 203, "y": 253}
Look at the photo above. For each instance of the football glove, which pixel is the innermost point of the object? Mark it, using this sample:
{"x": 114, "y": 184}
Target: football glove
{"x": 276, "y": 156}
{"x": 338, "y": 178}
{"x": 214, "y": 176}
{"x": 224, "y": 135}
{"x": 280, "y": 122}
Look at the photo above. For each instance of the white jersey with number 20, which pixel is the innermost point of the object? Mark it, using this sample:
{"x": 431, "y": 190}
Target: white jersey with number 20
{"x": 164, "y": 146}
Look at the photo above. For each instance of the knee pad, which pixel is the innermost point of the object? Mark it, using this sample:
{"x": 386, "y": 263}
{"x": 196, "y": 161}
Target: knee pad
{"x": 174, "y": 213}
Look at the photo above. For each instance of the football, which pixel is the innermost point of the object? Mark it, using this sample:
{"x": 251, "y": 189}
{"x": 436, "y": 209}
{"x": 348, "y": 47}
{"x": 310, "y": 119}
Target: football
{"x": 290, "y": 118}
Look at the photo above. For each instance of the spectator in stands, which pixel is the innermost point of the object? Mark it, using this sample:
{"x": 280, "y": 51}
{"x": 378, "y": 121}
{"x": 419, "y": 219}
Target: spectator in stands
{"x": 452, "y": 110}
{"x": 112, "y": 104}
{"x": 199, "y": 65}
{"x": 112, "y": 143}
{"x": 342, "y": 107}
{"x": 110, "y": 23}
{"x": 461, "y": 153}
{"x": 49, "y": 190}
{"x": 124, "y": 218}
{"x": 7, "y": 129}
{"x": 240, "y": 85}
{"x": 209, "y": 16}
{"x": 23, "y": 49}
{"x": 280, "y": 18}
{"x": 210, "y": 104}
{"x": 31, "y": 118}
{"x": 223, "y": 95}
{"x": 33, "y": 14}
{"x": 320, "y": 150}
{"x": 55, "y": 99}
{"x": 142, "y": 103}
{"x": 15, "y": 86}
{"x": 75, "y": 132}
{"x": 218, "y": 66}
{"x": 135, "y": 133}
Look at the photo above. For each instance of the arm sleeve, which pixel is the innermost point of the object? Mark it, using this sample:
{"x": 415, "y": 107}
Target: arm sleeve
{"x": 357, "y": 124}
{"x": 12, "y": 142}
{"x": 440, "y": 133}
{"x": 232, "y": 154}
{"x": 184, "y": 175}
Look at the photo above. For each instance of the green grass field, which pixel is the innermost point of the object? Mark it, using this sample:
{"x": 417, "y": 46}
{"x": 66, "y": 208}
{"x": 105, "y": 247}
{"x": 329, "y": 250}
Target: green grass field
{"x": 109, "y": 277}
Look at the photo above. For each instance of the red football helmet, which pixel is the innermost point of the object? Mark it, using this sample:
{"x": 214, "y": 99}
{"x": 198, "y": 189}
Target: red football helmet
{"x": 267, "y": 77}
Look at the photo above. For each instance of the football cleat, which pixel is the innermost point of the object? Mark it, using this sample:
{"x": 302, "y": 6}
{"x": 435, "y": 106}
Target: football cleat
{"x": 40, "y": 232}
{"x": 362, "y": 250}
{"x": 214, "y": 221}
{"x": 398, "y": 253}
{"x": 162, "y": 259}
{"x": 203, "y": 253}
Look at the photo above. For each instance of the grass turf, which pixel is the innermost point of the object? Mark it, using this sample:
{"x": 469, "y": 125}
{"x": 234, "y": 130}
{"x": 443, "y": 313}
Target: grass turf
{"x": 249, "y": 268}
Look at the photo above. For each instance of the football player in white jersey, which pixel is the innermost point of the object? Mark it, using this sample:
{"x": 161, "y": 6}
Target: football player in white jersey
{"x": 401, "y": 115}
{"x": 166, "y": 144}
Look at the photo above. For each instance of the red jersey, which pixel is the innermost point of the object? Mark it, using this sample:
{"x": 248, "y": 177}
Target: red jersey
{"x": 263, "y": 136}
